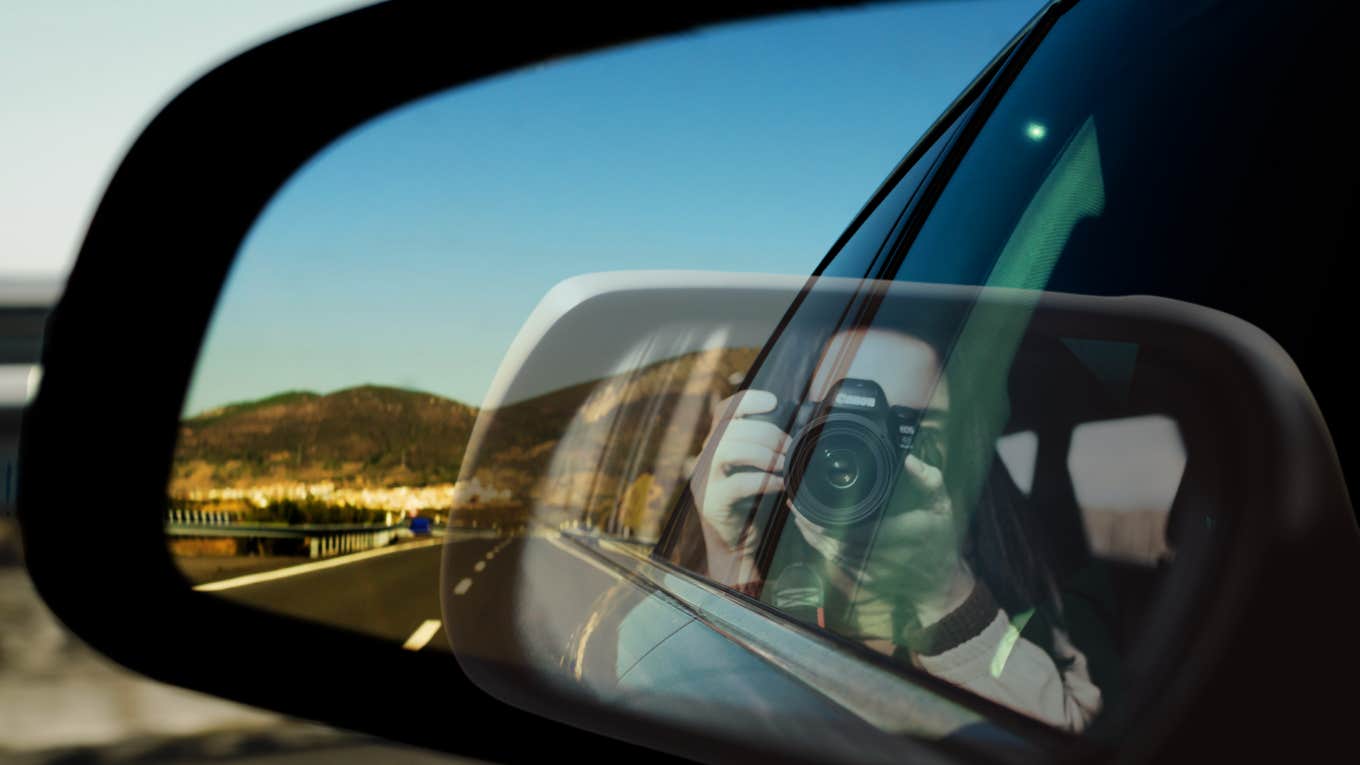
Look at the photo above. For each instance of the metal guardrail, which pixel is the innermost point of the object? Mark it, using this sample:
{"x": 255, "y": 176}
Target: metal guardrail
{"x": 322, "y": 540}
{"x": 273, "y": 530}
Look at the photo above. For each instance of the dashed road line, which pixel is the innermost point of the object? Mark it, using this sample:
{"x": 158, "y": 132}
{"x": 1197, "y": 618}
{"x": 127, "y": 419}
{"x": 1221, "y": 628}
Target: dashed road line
{"x": 463, "y": 585}
{"x": 480, "y": 567}
{"x": 422, "y": 635}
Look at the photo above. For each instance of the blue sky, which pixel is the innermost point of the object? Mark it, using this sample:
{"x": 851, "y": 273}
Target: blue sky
{"x": 80, "y": 79}
{"x": 410, "y": 251}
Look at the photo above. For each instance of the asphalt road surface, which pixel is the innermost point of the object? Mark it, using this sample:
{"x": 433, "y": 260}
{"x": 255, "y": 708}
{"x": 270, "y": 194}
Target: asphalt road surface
{"x": 389, "y": 595}
{"x": 393, "y": 593}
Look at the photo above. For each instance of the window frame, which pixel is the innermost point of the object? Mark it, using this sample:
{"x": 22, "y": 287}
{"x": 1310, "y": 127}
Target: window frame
{"x": 954, "y": 132}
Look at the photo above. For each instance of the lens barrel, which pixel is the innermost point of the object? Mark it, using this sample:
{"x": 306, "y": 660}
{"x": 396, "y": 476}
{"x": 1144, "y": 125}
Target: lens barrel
{"x": 842, "y": 468}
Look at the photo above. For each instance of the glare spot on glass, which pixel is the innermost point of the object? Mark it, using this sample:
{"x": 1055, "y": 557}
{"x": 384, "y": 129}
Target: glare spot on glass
{"x": 1035, "y": 132}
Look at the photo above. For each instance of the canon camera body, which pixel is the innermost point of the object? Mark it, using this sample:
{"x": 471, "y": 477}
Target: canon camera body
{"x": 847, "y": 451}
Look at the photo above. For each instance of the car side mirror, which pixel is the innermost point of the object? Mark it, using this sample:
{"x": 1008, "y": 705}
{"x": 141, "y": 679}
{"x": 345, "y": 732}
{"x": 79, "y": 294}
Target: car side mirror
{"x": 1114, "y": 530}
{"x": 1122, "y": 439}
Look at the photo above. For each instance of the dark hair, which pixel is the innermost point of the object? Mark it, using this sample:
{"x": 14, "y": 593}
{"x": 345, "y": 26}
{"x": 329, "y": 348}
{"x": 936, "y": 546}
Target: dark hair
{"x": 1004, "y": 543}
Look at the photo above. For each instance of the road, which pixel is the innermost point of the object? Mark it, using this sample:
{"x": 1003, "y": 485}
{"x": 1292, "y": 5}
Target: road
{"x": 394, "y": 592}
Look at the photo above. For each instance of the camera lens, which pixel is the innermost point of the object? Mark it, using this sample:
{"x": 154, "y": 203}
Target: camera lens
{"x": 841, "y": 470}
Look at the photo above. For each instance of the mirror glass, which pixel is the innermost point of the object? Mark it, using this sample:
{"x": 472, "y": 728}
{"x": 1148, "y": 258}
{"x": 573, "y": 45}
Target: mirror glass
{"x": 373, "y": 301}
{"x": 511, "y": 373}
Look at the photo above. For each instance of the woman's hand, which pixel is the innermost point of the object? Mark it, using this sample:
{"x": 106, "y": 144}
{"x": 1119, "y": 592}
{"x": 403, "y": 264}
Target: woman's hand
{"x": 742, "y": 458}
{"x": 937, "y": 579}
{"x": 911, "y": 555}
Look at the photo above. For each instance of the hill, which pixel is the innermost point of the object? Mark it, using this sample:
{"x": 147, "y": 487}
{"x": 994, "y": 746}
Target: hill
{"x": 641, "y": 422}
{"x": 368, "y": 435}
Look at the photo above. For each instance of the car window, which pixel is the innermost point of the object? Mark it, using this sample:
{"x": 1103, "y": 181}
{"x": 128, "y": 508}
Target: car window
{"x": 1180, "y": 159}
{"x": 1054, "y": 470}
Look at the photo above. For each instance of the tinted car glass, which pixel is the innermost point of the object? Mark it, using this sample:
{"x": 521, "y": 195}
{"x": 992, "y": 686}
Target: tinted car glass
{"x": 1138, "y": 152}
{"x": 1214, "y": 123}
{"x": 861, "y": 251}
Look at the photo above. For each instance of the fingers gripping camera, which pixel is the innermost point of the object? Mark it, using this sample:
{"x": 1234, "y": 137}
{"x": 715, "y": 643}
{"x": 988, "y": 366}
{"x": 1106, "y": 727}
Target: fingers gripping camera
{"x": 848, "y": 451}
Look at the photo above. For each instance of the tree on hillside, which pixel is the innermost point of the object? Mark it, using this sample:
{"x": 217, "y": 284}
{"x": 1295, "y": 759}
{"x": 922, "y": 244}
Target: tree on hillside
{"x": 640, "y": 507}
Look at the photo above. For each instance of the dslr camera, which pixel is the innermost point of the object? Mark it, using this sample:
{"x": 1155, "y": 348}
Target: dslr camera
{"x": 847, "y": 451}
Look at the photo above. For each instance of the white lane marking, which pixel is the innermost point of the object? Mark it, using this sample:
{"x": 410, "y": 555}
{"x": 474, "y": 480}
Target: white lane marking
{"x": 307, "y": 568}
{"x": 586, "y": 634}
{"x": 480, "y": 567}
{"x": 567, "y": 548}
{"x": 422, "y": 635}
{"x": 462, "y": 586}
{"x": 491, "y": 555}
